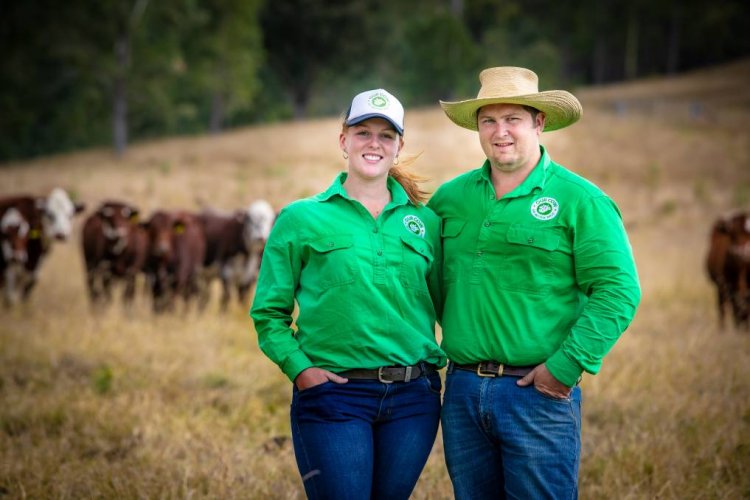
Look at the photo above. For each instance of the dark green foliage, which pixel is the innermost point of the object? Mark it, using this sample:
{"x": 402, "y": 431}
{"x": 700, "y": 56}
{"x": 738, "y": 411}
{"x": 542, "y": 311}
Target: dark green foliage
{"x": 192, "y": 66}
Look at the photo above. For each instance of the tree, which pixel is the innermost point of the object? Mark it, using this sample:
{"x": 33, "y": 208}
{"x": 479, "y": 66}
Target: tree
{"x": 222, "y": 51}
{"x": 306, "y": 38}
{"x": 126, "y": 19}
{"x": 438, "y": 58}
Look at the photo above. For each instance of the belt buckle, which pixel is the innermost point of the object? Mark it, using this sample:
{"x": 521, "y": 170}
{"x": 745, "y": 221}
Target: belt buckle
{"x": 490, "y": 373}
{"x": 380, "y": 376}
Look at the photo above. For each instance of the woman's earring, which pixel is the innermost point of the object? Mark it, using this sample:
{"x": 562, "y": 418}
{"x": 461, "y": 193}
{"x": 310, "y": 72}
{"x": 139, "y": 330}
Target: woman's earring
{"x": 346, "y": 156}
{"x": 395, "y": 161}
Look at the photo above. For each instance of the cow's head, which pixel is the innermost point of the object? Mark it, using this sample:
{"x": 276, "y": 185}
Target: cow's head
{"x": 58, "y": 211}
{"x": 118, "y": 220}
{"x": 161, "y": 228}
{"x": 258, "y": 223}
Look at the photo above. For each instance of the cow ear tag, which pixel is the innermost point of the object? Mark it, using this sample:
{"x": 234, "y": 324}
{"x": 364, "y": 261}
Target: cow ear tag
{"x": 179, "y": 228}
{"x": 35, "y": 234}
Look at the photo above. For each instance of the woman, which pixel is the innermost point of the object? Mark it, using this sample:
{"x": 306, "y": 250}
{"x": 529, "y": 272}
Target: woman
{"x": 362, "y": 261}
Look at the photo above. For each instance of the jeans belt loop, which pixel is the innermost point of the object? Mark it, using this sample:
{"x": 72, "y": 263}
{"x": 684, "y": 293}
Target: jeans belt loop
{"x": 407, "y": 375}
{"x": 380, "y": 376}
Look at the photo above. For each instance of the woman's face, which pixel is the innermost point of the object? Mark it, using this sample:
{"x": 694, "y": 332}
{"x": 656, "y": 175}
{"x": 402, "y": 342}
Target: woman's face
{"x": 372, "y": 146}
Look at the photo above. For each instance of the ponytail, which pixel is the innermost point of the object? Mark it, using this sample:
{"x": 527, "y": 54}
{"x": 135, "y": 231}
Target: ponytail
{"x": 409, "y": 181}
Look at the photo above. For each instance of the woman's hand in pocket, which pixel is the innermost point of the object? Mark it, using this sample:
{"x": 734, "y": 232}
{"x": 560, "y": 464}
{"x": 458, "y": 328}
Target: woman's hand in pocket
{"x": 310, "y": 377}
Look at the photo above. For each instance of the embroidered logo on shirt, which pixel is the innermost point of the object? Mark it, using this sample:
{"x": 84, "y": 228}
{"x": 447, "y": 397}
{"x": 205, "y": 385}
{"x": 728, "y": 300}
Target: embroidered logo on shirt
{"x": 415, "y": 225}
{"x": 545, "y": 208}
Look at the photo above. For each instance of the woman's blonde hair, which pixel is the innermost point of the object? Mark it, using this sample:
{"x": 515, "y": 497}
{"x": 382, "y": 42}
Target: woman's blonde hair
{"x": 408, "y": 180}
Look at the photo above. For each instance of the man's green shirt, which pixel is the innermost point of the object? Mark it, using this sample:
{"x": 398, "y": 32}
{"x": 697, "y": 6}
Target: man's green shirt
{"x": 544, "y": 274}
{"x": 364, "y": 286}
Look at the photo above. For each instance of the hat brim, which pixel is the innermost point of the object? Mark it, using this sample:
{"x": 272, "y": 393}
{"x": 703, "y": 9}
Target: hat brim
{"x": 362, "y": 118}
{"x": 560, "y": 108}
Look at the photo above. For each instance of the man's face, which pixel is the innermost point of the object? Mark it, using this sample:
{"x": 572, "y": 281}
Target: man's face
{"x": 510, "y": 136}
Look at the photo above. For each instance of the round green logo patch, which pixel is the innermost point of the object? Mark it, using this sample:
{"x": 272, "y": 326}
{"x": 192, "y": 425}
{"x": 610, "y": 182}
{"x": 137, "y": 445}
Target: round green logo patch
{"x": 415, "y": 225}
{"x": 545, "y": 208}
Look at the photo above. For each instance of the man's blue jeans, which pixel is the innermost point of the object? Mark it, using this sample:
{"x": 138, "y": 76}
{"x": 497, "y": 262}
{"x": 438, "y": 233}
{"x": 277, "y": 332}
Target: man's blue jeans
{"x": 505, "y": 441}
{"x": 364, "y": 439}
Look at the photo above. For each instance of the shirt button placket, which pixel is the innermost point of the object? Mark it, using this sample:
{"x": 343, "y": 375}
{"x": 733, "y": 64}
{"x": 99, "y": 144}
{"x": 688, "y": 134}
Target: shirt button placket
{"x": 378, "y": 268}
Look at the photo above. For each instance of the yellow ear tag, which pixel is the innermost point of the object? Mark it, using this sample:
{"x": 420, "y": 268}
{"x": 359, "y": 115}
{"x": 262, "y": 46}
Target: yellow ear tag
{"x": 134, "y": 218}
{"x": 179, "y": 228}
{"x": 35, "y": 234}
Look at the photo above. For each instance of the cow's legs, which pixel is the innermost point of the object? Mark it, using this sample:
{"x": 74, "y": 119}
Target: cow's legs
{"x": 129, "y": 293}
{"x": 11, "y": 285}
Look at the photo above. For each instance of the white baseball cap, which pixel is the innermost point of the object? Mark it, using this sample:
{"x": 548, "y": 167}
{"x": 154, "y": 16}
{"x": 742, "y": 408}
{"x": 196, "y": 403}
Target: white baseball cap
{"x": 376, "y": 103}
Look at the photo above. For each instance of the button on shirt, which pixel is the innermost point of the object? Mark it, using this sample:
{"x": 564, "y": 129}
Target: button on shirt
{"x": 364, "y": 286}
{"x": 544, "y": 274}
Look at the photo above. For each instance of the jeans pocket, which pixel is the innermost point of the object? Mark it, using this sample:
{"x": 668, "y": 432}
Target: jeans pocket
{"x": 433, "y": 383}
{"x": 551, "y": 398}
{"x": 314, "y": 389}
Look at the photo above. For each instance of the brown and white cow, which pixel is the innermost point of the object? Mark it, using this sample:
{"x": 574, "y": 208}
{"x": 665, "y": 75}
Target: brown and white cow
{"x": 114, "y": 248}
{"x": 224, "y": 245}
{"x": 234, "y": 246}
{"x": 50, "y": 218}
{"x": 14, "y": 239}
{"x": 176, "y": 250}
{"x": 260, "y": 219}
{"x": 728, "y": 266}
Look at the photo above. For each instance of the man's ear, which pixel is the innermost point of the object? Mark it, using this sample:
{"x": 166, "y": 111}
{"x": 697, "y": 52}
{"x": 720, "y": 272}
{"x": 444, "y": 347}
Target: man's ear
{"x": 540, "y": 119}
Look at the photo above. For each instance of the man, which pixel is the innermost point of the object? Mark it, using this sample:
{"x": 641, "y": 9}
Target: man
{"x": 539, "y": 283}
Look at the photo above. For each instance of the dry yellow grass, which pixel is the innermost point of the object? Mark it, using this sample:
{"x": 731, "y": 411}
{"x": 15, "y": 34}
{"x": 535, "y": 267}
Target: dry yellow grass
{"x": 180, "y": 406}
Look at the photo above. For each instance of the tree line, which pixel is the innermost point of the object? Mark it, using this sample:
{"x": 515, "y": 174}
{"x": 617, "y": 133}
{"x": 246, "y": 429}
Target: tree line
{"x": 87, "y": 73}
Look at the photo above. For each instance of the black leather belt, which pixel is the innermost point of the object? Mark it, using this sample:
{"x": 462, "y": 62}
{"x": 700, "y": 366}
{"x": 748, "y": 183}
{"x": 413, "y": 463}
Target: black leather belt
{"x": 495, "y": 369}
{"x": 390, "y": 374}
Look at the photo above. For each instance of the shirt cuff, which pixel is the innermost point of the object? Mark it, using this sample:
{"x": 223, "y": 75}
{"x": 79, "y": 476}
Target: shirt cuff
{"x": 564, "y": 369}
{"x": 295, "y": 363}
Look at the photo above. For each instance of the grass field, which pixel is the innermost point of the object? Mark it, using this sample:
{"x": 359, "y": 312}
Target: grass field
{"x": 186, "y": 406}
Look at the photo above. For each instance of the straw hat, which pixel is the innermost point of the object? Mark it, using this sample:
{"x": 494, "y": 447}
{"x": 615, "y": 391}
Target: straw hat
{"x": 507, "y": 84}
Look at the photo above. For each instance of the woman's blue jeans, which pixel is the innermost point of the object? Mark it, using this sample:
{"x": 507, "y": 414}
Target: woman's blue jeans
{"x": 506, "y": 441}
{"x": 364, "y": 439}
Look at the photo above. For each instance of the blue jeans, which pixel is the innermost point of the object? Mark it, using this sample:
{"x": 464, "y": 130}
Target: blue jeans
{"x": 505, "y": 441}
{"x": 364, "y": 439}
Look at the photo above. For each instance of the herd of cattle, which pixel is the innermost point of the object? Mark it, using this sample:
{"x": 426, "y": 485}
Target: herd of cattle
{"x": 179, "y": 252}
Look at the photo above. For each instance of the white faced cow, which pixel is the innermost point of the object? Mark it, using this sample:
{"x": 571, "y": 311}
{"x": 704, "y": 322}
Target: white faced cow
{"x": 14, "y": 239}
{"x": 234, "y": 244}
{"x": 260, "y": 219}
{"x": 50, "y": 218}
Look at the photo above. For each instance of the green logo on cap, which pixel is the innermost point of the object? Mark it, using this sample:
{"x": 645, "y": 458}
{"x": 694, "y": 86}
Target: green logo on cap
{"x": 379, "y": 101}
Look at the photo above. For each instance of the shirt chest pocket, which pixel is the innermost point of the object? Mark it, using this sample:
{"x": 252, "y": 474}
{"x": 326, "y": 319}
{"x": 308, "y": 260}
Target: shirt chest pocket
{"x": 533, "y": 238}
{"x": 416, "y": 262}
{"x": 529, "y": 259}
{"x": 332, "y": 262}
